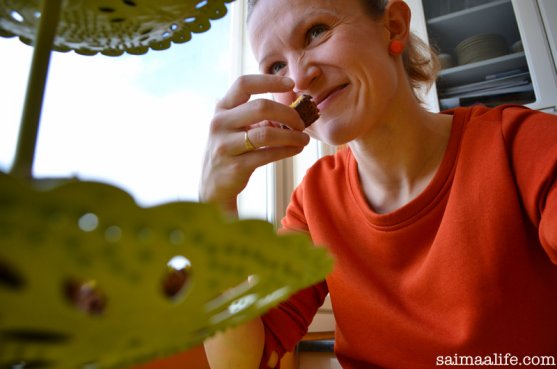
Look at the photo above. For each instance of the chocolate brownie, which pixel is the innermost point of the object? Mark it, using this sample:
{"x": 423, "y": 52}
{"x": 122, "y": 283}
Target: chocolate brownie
{"x": 306, "y": 108}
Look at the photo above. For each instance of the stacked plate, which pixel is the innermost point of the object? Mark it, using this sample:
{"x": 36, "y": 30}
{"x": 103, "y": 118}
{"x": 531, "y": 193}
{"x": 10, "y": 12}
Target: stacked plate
{"x": 481, "y": 47}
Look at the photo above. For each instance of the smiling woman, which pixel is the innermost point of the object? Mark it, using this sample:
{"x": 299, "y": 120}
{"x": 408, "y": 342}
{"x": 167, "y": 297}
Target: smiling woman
{"x": 429, "y": 215}
{"x": 138, "y": 122}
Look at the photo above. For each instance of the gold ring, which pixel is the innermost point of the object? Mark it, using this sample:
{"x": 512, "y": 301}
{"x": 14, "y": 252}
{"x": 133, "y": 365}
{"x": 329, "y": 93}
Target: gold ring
{"x": 247, "y": 142}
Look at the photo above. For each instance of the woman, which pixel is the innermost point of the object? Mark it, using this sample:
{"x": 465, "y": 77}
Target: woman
{"x": 443, "y": 226}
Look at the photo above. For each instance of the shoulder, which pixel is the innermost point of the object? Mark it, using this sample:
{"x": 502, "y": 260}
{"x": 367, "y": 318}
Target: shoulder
{"x": 511, "y": 124}
{"x": 326, "y": 175}
{"x": 508, "y": 116}
{"x": 529, "y": 138}
{"x": 319, "y": 189}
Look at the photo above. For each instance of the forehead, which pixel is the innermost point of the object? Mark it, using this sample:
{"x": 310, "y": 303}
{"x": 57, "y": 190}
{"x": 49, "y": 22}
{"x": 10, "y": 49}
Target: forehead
{"x": 277, "y": 19}
{"x": 268, "y": 10}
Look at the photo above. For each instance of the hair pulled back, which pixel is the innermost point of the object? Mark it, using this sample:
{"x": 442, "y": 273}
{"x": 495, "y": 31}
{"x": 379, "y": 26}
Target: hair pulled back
{"x": 420, "y": 60}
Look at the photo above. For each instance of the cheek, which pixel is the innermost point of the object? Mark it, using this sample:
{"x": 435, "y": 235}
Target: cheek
{"x": 379, "y": 78}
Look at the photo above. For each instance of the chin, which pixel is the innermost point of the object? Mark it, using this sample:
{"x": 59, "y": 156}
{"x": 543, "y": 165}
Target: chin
{"x": 331, "y": 132}
{"x": 331, "y": 140}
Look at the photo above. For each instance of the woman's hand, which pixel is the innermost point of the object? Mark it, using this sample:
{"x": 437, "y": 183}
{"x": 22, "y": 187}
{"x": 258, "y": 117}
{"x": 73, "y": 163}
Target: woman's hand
{"x": 229, "y": 159}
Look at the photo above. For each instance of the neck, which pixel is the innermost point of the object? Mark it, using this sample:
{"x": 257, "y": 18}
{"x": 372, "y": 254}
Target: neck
{"x": 399, "y": 158}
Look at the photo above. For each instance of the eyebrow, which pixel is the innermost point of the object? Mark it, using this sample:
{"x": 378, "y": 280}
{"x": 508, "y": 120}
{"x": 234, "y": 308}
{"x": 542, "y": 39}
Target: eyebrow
{"x": 300, "y": 23}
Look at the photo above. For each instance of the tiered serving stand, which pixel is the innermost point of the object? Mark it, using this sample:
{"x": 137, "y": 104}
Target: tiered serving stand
{"x": 86, "y": 278}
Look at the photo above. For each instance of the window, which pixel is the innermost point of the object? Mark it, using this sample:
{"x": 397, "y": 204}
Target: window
{"x": 137, "y": 122}
{"x": 141, "y": 122}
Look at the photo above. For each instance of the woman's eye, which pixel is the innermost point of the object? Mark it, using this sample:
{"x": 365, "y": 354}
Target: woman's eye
{"x": 315, "y": 31}
{"x": 275, "y": 68}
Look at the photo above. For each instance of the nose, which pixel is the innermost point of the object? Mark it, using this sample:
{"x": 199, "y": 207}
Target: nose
{"x": 304, "y": 73}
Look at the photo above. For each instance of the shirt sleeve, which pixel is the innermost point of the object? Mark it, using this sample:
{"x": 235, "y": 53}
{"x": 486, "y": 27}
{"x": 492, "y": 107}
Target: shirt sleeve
{"x": 548, "y": 225}
{"x": 531, "y": 138}
{"x": 288, "y": 323}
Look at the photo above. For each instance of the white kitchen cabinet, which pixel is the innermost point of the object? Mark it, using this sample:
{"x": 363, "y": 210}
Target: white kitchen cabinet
{"x": 548, "y": 12}
{"x": 525, "y": 74}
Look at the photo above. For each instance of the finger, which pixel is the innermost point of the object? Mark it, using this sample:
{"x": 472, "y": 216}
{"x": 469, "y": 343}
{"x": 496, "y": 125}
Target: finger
{"x": 248, "y": 144}
{"x": 259, "y": 110}
{"x": 241, "y": 142}
{"x": 245, "y": 86}
{"x": 258, "y": 158}
{"x": 265, "y": 137}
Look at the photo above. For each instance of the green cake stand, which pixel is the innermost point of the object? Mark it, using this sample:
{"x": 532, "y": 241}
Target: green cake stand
{"x": 89, "y": 279}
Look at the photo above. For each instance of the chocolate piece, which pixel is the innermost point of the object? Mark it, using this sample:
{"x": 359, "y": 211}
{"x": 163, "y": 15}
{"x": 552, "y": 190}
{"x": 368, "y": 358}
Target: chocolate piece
{"x": 306, "y": 108}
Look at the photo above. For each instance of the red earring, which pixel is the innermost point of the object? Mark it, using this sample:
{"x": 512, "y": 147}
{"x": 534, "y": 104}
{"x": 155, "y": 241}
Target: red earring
{"x": 396, "y": 47}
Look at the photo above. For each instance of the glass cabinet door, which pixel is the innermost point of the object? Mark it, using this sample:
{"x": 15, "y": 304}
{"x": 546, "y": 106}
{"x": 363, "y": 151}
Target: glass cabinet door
{"x": 481, "y": 45}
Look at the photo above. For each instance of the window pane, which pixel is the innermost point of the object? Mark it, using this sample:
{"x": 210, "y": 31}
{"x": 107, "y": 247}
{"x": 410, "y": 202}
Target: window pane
{"x": 137, "y": 122}
{"x": 257, "y": 199}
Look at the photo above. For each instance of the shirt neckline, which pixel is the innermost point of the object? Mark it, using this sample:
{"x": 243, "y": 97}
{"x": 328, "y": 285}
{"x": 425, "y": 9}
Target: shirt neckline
{"x": 429, "y": 197}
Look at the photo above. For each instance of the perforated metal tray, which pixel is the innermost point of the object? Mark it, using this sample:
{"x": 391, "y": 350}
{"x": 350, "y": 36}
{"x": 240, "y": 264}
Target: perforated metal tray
{"x": 88, "y": 279}
{"x": 112, "y": 27}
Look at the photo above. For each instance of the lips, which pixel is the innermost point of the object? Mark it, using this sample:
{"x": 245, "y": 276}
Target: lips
{"x": 323, "y": 98}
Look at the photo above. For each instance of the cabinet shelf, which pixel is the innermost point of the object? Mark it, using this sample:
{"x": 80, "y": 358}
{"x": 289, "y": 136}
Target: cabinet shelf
{"x": 524, "y": 74}
{"x": 475, "y": 72}
{"x": 448, "y": 30}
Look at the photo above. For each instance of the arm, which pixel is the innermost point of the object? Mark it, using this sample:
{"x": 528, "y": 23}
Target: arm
{"x": 240, "y": 347}
{"x": 261, "y": 342}
{"x": 531, "y": 137}
{"x": 227, "y": 167}
{"x": 548, "y": 225}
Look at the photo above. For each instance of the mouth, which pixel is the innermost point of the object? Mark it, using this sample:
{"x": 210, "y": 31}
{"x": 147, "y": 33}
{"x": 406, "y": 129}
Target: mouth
{"x": 328, "y": 95}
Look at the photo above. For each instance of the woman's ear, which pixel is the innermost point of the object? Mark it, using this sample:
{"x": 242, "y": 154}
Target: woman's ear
{"x": 397, "y": 20}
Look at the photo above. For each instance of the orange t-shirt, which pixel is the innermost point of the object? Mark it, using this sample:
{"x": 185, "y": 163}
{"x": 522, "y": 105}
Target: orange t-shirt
{"x": 466, "y": 268}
